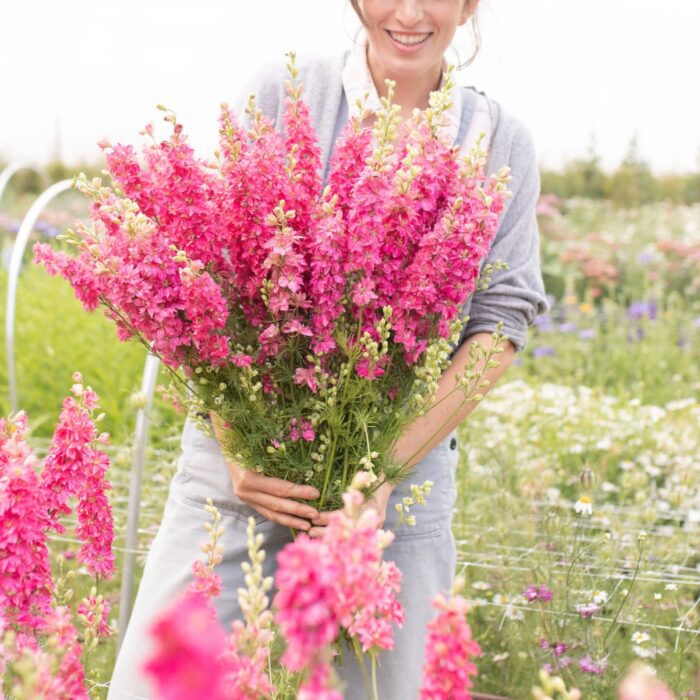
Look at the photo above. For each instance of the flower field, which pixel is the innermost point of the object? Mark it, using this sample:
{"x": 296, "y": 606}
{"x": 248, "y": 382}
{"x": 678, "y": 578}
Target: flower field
{"x": 578, "y": 520}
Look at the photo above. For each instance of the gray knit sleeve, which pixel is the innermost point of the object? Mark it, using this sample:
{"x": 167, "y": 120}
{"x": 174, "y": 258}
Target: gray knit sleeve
{"x": 516, "y": 295}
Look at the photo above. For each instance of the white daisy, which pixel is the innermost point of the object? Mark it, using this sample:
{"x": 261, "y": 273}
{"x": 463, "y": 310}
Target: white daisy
{"x": 600, "y": 597}
{"x": 640, "y": 637}
{"x": 584, "y": 506}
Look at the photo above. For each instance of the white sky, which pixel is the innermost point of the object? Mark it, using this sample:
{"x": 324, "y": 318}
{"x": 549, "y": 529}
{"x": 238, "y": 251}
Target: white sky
{"x": 93, "y": 68}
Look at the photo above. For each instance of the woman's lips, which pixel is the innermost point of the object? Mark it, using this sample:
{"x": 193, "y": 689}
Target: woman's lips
{"x": 408, "y": 41}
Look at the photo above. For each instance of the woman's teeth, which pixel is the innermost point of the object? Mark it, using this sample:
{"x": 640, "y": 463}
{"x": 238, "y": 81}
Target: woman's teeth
{"x": 409, "y": 39}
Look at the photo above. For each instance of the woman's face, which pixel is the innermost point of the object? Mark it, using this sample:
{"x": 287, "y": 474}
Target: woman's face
{"x": 411, "y": 36}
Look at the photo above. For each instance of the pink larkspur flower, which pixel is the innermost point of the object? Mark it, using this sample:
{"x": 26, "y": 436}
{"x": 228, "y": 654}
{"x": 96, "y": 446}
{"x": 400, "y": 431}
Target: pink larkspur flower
{"x": 337, "y": 580}
{"x": 206, "y": 582}
{"x": 184, "y": 662}
{"x": 95, "y": 525}
{"x": 318, "y": 686}
{"x": 26, "y": 584}
{"x": 306, "y": 376}
{"x": 307, "y": 431}
{"x": 246, "y": 660}
{"x": 87, "y": 607}
{"x": 306, "y": 600}
{"x": 449, "y": 652}
{"x": 67, "y": 682}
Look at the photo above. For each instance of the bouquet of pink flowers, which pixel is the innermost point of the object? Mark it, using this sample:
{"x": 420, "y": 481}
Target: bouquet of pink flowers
{"x": 315, "y": 321}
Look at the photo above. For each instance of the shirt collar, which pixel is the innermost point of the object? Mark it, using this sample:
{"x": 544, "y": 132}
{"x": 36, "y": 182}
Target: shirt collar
{"x": 357, "y": 81}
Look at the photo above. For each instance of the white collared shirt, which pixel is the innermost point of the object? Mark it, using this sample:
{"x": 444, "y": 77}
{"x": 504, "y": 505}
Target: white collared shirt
{"x": 358, "y": 83}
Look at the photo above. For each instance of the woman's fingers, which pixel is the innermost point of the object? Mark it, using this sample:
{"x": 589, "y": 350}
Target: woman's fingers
{"x": 254, "y": 481}
{"x": 283, "y": 518}
{"x": 284, "y": 505}
{"x": 321, "y": 519}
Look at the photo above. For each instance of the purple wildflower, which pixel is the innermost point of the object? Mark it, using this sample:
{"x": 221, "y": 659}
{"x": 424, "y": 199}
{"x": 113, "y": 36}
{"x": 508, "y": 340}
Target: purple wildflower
{"x": 641, "y": 309}
{"x": 587, "y": 609}
{"x": 541, "y": 593}
{"x": 544, "y": 351}
{"x": 587, "y": 665}
{"x": 587, "y": 334}
{"x": 530, "y": 593}
{"x": 545, "y": 594}
{"x": 559, "y": 648}
{"x": 568, "y": 327}
{"x": 544, "y": 323}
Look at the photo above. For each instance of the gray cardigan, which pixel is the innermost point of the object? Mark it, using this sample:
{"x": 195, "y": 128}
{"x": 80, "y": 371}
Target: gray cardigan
{"x": 516, "y": 295}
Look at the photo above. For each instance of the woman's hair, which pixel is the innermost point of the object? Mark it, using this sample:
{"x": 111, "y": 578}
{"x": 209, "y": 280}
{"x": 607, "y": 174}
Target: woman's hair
{"x": 475, "y": 31}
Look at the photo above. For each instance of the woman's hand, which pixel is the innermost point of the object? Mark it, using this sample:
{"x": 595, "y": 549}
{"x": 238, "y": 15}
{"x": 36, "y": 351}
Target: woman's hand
{"x": 274, "y": 498}
{"x": 379, "y": 501}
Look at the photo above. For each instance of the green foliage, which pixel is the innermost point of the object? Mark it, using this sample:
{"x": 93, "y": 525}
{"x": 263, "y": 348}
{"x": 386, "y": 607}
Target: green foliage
{"x": 54, "y": 337}
{"x": 535, "y": 454}
{"x": 630, "y": 185}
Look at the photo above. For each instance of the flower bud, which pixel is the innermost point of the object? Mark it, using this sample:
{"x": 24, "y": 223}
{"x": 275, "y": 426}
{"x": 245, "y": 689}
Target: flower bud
{"x": 587, "y": 479}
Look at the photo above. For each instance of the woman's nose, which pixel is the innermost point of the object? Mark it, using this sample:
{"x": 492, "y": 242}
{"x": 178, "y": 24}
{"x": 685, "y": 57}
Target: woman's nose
{"x": 409, "y": 12}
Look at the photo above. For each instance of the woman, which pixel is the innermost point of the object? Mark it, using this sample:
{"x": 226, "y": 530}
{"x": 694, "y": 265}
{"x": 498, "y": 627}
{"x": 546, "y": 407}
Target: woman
{"x": 404, "y": 40}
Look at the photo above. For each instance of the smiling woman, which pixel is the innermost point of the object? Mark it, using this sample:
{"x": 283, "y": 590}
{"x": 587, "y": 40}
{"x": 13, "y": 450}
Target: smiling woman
{"x": 408, "y": 39}
{"x": 404, "y": 41}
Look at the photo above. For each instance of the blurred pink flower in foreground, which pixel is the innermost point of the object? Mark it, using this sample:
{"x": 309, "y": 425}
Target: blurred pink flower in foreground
{"x": 449, "y": 652}
{"x": 337, "y": 581}
{"x": 641, "y": 683}
{"x": 185, "y": 661}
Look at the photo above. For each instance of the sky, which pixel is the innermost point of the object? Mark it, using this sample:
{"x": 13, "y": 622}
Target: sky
{"x": 576, "y": 73}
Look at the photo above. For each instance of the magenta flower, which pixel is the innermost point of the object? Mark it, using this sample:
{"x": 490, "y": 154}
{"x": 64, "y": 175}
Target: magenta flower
{"x": 450, "y": 650}
{"x": 557, "y": 648}
{"x": 87, "y": 608}
{"x": 187, "y": 643}
{"x": 206, "y": 582}
{"x": 26, "y": 585}
{"x": 307, "y": 376}
{"x": 318, "y": 686}
{"x": 307, "y": 600}
{"x": 541, "y": 593}
{"x": 587, "y": 610}
{"x": 75, "y": 467}
{"x": 588, "y": 665}
{"x": 246, "y": 662}
{"x": 337, "y": 581}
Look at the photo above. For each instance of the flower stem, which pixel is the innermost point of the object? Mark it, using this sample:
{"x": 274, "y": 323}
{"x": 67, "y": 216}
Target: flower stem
{"x": 361, "y": 663}
{"x": 627, "y": 595}
{"x": 374, "y": 677}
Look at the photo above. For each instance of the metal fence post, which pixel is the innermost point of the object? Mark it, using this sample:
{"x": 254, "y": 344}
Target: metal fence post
{"x": 148, "y": 386}
{"x": 20, "y": 244}
{"x": 9, "y": 170}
